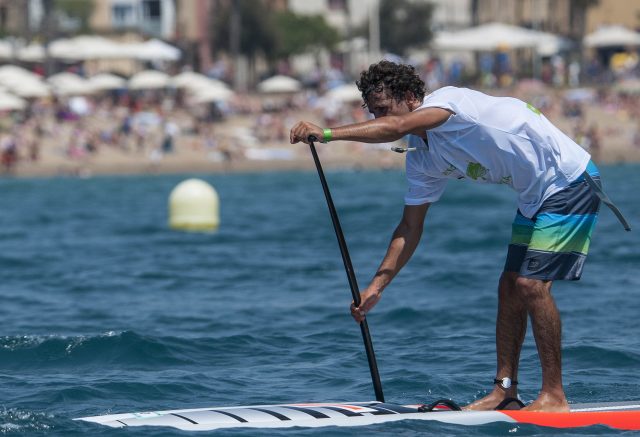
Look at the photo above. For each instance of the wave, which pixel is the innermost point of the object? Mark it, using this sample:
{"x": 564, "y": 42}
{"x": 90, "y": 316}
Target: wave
{"x": 128, "y": 349}
{"x": 124, "y": 348}
{"x": 590, "y": 356}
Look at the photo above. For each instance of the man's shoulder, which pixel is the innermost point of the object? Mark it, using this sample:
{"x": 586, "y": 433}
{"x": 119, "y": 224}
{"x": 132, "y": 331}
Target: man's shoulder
{"x": 453, "y": 90}
{"x": 444, "y": 94}
{"x": 444, "y": 90}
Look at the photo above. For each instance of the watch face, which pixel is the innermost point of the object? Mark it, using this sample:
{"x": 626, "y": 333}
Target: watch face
{"x": 506, "y": 382}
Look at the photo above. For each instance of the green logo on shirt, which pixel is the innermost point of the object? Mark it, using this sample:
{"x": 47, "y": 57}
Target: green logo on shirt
{"x": 476, "y": 171}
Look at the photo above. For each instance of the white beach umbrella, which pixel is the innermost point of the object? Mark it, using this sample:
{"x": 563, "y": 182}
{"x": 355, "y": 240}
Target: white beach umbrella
{"x": 106, "y": 81}
{"x": 62, "y": 77}
{"x": 65, "y": 48}
{"x": 148, "y": 79}
{"x": 493, "y": 36}
{"x": 31, "y": 53}
{"x": 9, "y": 102}
{"x": 9, "y": 72}
{"x": 213, "y": 94}
{"x": 187, "y": 79}
{"x": 217, "y": 82}
{"x": 70, "y": 84}
{"x": 78, "y": 48}
{"x": 97, "y": 47}
{"x": 6, "y": 50}
{"x": 152, "y": 50}
{"x": 611, "y": 36}
{"x": 31, "y": 89}
{"x": 347, "y": 93}
{"x": 280, "y": 84}
{"x": 193, "y": 81}
{"x": 22, "y": 82}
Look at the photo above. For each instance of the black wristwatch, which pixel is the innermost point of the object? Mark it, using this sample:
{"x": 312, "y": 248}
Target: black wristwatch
{"x": 505, "y": 382}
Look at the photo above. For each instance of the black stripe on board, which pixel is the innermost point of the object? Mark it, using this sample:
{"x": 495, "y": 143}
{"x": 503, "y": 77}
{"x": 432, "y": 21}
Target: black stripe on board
{"x": 238, "y": 418}
{"x": 344, "y": 411}
{"x": 122, "y": 422}
{"x": 185, "y": 418}
{"x": 273, "y": 413}
{"x": 309, "y": 411}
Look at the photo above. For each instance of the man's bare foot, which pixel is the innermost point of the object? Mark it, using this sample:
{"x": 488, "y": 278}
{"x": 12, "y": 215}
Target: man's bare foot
{"x": 491, "y": 401}
{"x": 549, "y": 403}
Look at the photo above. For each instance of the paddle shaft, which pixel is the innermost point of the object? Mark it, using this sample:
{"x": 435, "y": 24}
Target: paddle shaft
{"x": 353, "y": 283}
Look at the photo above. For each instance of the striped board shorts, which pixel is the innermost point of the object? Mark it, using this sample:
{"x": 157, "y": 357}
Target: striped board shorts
{"x": 553, "y": 244}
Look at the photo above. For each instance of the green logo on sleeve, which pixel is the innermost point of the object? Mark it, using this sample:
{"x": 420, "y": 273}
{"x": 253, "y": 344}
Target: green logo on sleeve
{"x": 533, "y": 108}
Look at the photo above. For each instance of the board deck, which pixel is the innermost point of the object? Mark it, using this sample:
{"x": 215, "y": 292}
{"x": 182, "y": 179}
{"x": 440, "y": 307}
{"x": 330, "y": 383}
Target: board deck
{"x": 619, "y": 415}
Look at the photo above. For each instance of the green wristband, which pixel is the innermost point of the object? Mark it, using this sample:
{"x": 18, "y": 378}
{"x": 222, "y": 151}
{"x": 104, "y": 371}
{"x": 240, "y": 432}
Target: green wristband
{"x": 326, "y": 135}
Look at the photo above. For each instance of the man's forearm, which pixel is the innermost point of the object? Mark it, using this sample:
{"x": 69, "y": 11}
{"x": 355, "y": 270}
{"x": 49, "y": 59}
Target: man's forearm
{"x": 384, "y": 129}
{"x": 401, "y": 248}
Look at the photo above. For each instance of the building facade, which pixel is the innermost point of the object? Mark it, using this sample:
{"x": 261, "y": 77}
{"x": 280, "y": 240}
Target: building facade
{"x": 607, "y": 12}
{"x": 569, "y": 18}
{"x": 14, "y": 18}
{"x": 153, "y": 18}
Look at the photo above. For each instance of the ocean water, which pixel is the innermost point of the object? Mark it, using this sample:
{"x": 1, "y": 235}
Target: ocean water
{"x": 104, "y": 309}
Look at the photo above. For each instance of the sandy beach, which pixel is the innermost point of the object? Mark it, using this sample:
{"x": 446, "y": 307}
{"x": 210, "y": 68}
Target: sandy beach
{"x": 236, "y": 150}
{"x": 233, "y": 145}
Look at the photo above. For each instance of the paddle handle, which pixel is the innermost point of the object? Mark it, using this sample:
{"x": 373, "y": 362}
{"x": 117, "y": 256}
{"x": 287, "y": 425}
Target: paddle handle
{"x": 353, "y": 283}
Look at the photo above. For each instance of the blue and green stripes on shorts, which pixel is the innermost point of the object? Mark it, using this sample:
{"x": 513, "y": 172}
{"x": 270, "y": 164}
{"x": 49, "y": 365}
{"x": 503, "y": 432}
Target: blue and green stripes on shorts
{"x": 554, "y": 243}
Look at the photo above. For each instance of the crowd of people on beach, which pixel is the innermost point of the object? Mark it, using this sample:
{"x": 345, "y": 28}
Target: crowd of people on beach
{"x": 148, "y": 126}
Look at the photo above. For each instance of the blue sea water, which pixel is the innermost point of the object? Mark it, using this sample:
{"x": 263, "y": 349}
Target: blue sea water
{"x": 104, "y": 309}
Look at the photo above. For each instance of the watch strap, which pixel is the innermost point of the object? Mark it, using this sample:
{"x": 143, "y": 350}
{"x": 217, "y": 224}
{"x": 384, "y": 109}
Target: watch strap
{"x": 499, "y": 381}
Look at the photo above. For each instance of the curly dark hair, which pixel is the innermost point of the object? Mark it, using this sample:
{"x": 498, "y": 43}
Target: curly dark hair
{"x": 397, "y": 79}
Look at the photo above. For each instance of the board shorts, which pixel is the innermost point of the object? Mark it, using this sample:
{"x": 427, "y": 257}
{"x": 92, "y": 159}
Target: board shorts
{"x": 553, "y": 244}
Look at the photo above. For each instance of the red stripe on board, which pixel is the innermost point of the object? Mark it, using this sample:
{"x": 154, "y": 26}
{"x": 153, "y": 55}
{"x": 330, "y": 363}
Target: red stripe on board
{"x": 629, "y": 420}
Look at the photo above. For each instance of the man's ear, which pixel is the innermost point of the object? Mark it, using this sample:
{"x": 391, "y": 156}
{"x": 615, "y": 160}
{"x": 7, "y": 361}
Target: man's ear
{"x": 411, "y": 100}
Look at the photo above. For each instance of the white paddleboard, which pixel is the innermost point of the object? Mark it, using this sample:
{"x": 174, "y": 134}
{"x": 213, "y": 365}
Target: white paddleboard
{"x": 623, "y": 415}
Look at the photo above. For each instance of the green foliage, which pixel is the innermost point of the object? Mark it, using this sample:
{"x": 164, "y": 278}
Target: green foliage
{"x": 79, "y": 9}
{"x": 276, "y": 35}
{"x": 404, "y": 24}
{"x": 256, "y": 30}
{"x": 297, "y": 34}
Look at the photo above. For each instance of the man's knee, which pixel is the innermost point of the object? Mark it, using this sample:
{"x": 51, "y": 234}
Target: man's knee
{"x": 530, "y": 289}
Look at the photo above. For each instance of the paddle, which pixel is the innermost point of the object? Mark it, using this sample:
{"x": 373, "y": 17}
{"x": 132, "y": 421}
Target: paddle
{"x": 346, "y": 259}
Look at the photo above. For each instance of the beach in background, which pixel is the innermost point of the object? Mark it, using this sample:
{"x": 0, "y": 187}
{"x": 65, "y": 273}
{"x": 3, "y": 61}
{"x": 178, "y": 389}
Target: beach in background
{"x": 159, "y": 132}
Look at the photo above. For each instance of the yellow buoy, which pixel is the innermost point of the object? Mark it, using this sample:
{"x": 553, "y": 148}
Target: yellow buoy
{"x": 194, "y": 206}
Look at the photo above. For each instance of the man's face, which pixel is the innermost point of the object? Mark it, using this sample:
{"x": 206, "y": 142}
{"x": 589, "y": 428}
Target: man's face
{"x": 381, "y": 104}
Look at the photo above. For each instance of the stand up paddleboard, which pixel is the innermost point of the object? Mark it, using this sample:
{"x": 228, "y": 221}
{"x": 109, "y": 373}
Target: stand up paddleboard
{"x": 622, "y": 415}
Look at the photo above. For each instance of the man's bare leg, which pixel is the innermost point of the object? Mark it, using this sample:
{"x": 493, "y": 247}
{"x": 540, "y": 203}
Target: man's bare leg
{"x": 511, "y": 327}
{"x": 547, "y": 331}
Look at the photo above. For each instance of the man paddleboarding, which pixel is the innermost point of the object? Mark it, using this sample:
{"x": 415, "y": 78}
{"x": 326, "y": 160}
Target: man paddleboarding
{"x": 464, "y": 134}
